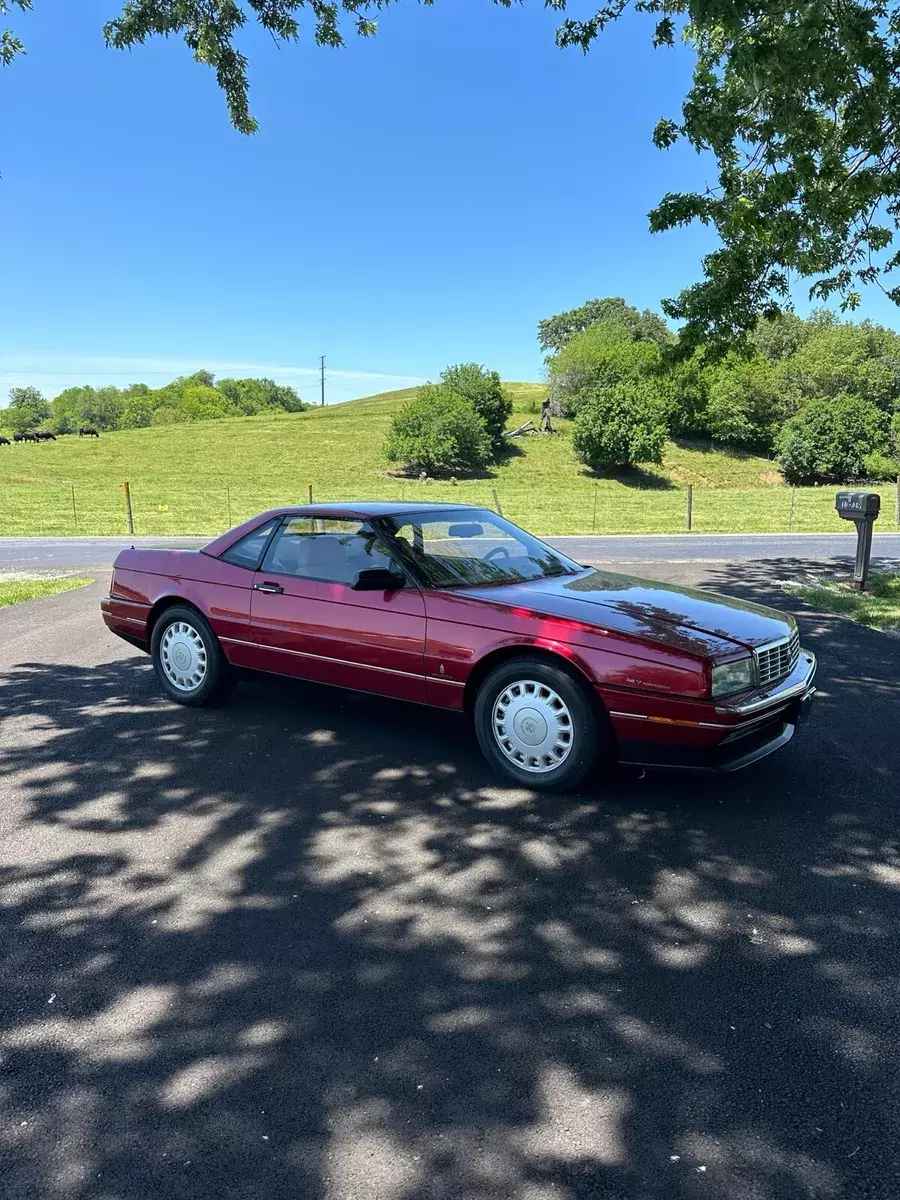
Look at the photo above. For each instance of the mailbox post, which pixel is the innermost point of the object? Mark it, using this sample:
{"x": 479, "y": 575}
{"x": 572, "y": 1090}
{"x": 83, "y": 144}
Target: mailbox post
{"x": 862, "y": 508}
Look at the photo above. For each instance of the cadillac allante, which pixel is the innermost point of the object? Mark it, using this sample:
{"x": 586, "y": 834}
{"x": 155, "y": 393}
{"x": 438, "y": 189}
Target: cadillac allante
{"x": 563, "y": 669}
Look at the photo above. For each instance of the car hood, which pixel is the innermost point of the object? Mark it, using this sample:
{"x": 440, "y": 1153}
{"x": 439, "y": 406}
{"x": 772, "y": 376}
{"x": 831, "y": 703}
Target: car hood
{"x": 701, "y": 623}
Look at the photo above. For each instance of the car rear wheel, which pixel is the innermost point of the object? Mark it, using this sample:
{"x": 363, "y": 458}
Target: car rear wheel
{"x": 188, "y": 659}
{"x": 536, "y": 725}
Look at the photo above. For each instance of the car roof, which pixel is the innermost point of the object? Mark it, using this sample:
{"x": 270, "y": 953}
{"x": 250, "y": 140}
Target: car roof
{"x": 375, "y": 508}
{"x": 362, "y": 509}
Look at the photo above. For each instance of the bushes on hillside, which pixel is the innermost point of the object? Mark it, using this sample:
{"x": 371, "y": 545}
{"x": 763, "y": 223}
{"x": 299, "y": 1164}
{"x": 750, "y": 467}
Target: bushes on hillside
{"x": 830, "y": 440}
{"x": 484, "y": 391}
{"x": 438, "y": 431}
{"x": 620, "y": 425}
{"x": 601, "y": 356}
{"x": 746, "y": 405}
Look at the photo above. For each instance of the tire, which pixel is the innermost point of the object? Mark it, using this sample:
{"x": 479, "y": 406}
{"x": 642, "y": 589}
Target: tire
{"x": 188, "y": 659}
{"x": 553, "y": 739}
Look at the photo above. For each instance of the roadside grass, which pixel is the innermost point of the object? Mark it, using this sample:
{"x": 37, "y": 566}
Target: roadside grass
{"x": 204, "y": 477}
{"x": 878, "y": 607}
{"x": 14, "y": 591}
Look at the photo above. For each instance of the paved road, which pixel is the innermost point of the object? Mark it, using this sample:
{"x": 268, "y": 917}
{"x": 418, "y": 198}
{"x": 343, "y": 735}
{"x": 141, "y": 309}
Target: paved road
{"x": 61, "y": 553}
{"x": 305, "y": 946}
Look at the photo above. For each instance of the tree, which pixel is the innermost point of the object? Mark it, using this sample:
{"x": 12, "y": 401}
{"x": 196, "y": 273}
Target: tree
{"x": 438, "y": 432}
{"x": 620, "y": 425}
{"x": 747, "y": 402}
{"x": 600, "y": 355}
{"x": 555, "y": 332}
{"x": 27, "y": 408}
{"x": 829, "y": 440}
{"x": 838, "y": 358}
{"x": 251, "y": 396}
{"x": 484, "y": 391}
{"x": 796, "y": 103}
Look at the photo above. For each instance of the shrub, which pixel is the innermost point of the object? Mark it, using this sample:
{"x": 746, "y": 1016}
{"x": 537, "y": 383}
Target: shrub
{"x": 746, "y": 403}
{"x": 830, "y": 440}
{"x": 620, "y": 425}
{"x": 438, "y": 431}
{"x": 881, "y": 466}
{"x": 602, "y": 355}
{"x": 484, "y": 391}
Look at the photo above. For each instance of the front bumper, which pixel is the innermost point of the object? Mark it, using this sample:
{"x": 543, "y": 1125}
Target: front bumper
{"x": 726, "y": 736}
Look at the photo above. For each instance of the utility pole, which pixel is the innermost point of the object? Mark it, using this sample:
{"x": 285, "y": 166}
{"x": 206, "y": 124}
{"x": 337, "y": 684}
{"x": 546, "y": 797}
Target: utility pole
{"x": 322, "y": 373}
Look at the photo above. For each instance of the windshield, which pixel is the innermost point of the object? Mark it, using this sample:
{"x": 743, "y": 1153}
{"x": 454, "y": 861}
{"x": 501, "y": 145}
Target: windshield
{"x": 471, "y": 548}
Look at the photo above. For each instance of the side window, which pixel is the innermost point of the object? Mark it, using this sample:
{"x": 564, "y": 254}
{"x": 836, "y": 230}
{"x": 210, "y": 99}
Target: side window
{"x": 249, "y": 550}
{"x": 327, "y": 550}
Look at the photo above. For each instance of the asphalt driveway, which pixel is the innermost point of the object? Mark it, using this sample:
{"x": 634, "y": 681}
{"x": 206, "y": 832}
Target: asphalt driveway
{"x": 306, "y": 947}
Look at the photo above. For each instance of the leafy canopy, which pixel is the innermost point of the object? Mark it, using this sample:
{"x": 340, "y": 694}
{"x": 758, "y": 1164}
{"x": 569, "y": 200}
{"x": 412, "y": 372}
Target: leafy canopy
{"x": 796, "y": 100}
{"x": 620, "y": 425}
{"x": 831, "y": 440}
{"x": 27, "y": 408}
{"x": 600, "y": 355}
{"x": 196, "y": 397}
{"x": 556, "y": 332}
{"x": 438, "y": 431}
{"x": 484, "y": 391}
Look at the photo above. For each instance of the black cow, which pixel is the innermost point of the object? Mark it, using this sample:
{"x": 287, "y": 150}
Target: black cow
{"x": 27, "y": 435}
{"x": 4, "y": 441}
{"x": 44, "y": 435}
{"x": 88, "y": 431}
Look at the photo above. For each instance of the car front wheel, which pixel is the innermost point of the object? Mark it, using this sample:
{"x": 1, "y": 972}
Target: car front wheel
{"x": 536, "y": 725}
{"x": 188, "y": 659}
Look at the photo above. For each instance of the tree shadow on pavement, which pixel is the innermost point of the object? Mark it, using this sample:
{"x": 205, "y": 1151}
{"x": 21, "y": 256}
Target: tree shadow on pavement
{"x": 303, "y": 946}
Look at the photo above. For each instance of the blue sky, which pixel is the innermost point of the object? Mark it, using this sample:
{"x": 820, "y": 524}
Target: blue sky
{"x": 417, "y": 199}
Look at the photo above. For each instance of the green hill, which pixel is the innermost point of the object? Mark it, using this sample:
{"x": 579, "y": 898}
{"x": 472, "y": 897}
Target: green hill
{"x": 202, "y": 477}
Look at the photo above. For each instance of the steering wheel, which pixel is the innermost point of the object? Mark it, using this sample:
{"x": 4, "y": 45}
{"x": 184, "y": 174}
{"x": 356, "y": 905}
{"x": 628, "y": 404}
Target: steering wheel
{"x": 496, "y": 552}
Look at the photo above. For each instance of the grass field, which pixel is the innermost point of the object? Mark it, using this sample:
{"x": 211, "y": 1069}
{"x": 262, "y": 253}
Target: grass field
{"x": 14, "y": 591}
{"x": 204, "y": 477}
{"x": 878, "y": 607}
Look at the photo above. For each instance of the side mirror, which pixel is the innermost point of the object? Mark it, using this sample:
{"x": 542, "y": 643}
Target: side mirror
{"x": 378, "y": 579}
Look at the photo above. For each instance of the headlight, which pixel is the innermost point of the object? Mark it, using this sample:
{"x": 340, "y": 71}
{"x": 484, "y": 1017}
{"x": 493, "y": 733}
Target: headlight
{"x": 732, "y": 677}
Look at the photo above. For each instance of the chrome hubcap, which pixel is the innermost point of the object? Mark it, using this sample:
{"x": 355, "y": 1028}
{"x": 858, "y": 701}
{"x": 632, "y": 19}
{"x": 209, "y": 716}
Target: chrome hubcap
{"x": 183, "y": 656}
{"x": 532, "y": 726}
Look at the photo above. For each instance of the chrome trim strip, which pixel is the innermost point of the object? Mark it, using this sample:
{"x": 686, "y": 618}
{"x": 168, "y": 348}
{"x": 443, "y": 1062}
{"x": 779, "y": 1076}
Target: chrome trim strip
{"x": 341, "y": 662}
{"x": 785, "y": 690}
{"x": 674, "y": 721}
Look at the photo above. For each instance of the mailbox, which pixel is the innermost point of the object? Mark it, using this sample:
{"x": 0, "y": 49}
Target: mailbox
{"x": 862, "y": 508}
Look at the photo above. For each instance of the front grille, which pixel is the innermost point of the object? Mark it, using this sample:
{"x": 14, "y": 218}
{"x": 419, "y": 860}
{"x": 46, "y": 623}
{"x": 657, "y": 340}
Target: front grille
{"x": 777, "y": 659}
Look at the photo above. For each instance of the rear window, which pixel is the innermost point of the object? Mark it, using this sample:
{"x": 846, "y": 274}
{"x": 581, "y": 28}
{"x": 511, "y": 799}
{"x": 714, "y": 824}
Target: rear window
{"x": 249, "y": 550}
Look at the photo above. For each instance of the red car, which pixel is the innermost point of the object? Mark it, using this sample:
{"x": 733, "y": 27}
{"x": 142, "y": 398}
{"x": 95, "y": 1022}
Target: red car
{"x": 560, "y": 666}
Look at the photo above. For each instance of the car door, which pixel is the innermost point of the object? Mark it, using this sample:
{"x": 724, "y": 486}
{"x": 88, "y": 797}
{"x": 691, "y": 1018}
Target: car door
{"x": 307, "y": 620}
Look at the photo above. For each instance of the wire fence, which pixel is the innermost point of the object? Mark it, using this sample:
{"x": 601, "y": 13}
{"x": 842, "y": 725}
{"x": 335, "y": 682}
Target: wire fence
{"x": 160, "y": 505}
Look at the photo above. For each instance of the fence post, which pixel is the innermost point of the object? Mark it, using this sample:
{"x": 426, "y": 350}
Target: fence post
{"x": 497, "y": 509}
{"x": 791, "y": 523}
{"x": 74, "y": 509}
{"x": 129, "y": 518}
{"x": 309, "y": 493}
{"x": 228, "y": 499}
{"x": 690, "y": 506}
{"x": 594, "y": 518}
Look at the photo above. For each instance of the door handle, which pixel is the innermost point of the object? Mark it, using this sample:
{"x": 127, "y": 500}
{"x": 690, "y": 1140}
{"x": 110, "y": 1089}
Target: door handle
{"x": 274, "y": 589}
